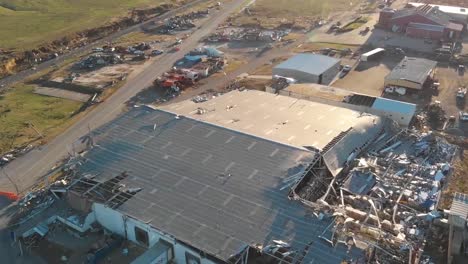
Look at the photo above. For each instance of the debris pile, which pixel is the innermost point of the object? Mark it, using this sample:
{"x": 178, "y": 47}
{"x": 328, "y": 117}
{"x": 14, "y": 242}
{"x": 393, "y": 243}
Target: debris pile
{"x": 13, "y": 154}
{"x": 139, "y": 48}
{"x": 99, "y": 60}
{"x": 182, "y": 22}
{"x": 248, "y": 34}
{"x": 432, "y": 116}
{"x": 388, "y": 197}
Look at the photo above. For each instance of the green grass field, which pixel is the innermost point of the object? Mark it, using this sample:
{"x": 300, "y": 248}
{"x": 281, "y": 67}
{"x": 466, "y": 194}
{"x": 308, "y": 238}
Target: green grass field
{"x": 21, "y": 106}
{"x": 27, "y": 23}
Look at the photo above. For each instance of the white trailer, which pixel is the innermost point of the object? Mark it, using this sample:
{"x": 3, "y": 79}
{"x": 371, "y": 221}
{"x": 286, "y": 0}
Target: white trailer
{"x": 373, "y": 53}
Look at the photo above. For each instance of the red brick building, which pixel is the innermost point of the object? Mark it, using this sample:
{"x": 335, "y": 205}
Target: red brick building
{"x": 421, "y": 22}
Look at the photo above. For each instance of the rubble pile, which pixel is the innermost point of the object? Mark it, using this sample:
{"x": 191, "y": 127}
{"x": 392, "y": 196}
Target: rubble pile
{"x": 13, "y": 154}
{"x": 388, "y": 197}
{"x": 182, "y": 22}
{"x": 99, "y": 60}
{"x": 432, "y": 116}
{"x": 138, "y": 48}
{"x": 248, "y": 34}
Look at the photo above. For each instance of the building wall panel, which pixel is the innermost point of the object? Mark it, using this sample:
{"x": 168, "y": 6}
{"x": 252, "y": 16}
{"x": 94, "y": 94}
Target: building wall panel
{"x": 122, "y": 225}
{"x": 422, "y": 33}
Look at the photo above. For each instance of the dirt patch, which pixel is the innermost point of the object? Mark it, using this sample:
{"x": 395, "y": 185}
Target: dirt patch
{"x": 254, "y": 84}
{"x": 457, "y": 182}
{"x": 267, "y": 69}
{"x": 105, "y": 76}
{"x": 318, "y": 46}
{"x": 295, "y": 14}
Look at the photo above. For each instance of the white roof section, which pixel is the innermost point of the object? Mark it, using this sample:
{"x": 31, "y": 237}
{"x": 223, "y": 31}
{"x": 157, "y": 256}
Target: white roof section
{"x": 315, "y": 64}
{"x": 447, "y": 9}
{"x": 282, "y": 119}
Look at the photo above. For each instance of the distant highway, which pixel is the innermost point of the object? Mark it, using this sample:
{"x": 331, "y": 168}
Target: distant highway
{"x": 26, "y": 170}
{"x": 9, "y": 80}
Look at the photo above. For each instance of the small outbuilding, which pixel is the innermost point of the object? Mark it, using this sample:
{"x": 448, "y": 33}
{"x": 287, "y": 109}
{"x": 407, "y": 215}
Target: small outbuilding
{"x": 411, "y": 73}
{"x": 309, "y": 68}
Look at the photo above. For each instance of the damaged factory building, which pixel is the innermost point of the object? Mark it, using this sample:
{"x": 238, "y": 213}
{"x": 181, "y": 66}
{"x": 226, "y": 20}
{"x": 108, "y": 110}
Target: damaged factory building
{"x": 254, "y": 177}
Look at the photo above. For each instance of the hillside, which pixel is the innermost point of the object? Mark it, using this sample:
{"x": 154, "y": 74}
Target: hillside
{"x": 27, "y": 23}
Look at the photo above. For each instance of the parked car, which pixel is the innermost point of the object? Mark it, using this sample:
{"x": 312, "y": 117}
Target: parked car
{"x": 463, "y": 116}
{"x": 156, "y": 52}
{"x": 345, "y": 71}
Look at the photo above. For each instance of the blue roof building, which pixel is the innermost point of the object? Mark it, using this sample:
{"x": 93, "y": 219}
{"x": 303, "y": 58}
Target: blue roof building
{"x": 309, "y": 68}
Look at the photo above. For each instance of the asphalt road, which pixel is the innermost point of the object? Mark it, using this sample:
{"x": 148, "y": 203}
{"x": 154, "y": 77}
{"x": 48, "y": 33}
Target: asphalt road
{"x": 26, "y": 170}
{"x": 5, "y": 82}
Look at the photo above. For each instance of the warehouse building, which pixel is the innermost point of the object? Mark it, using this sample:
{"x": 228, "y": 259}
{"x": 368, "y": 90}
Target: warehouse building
{"x": 309, "y": 68}
{"x": 206, "y": 182}
{"x": 207, "y": 185}
{"x": 424, "y": 21}
{"x": 457, "y": 13}
{"x": 412, "y": 73}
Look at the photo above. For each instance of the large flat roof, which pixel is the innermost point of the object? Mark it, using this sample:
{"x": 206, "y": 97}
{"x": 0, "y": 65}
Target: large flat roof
{"x": 279, "y": 118}
{"x": 210, "y": 187}
{"x": 412, "y": 69}
{"x": 309, "y": 63}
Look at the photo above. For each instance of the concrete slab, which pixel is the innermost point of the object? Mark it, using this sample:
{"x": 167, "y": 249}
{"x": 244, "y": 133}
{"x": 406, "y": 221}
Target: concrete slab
{"x": 60, "y": 93}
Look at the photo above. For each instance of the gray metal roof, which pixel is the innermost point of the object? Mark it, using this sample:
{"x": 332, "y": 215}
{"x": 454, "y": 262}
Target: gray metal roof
{"x": 213, "y": 188}
{"x": 309, "y": 63}
{"x": 427, "y": 11}
{"x": 394, "y": 106}
{"x": 460, "y": 205}
{"x": 412, "y": 69}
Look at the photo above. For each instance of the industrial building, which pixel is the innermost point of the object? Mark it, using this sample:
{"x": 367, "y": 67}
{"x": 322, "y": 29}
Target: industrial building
{"x": 424, "y": 21}
{"x": 457, "y": 13}
{"x": 251, "y": 177}
{"x": 309, "y": 68}
{"x": 214, "y": 178}
{"x": 412, "y": 73}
